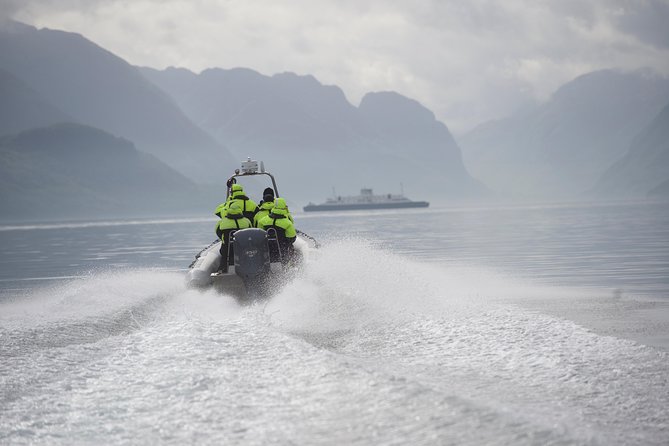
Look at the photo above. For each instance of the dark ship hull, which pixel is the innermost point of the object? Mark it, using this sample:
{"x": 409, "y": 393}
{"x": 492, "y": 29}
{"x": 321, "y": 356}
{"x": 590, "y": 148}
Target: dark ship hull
{"x": 364, "y": 206}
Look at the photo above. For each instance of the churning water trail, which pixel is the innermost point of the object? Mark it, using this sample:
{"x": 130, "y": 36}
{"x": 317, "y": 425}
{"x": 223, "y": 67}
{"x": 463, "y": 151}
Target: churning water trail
{"x": 363, "y": 346}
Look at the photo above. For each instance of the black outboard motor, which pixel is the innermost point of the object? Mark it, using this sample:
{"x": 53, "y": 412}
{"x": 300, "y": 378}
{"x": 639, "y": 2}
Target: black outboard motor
{"x": 252, "y": 263}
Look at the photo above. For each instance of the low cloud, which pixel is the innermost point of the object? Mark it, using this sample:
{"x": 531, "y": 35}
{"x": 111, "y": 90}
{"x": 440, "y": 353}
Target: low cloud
{"x": 646, "y": 20}
{"x": 467, "y": 61}
{"x": 8, "y": 8}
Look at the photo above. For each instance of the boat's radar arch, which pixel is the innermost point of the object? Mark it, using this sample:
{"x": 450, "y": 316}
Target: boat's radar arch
{"x": 251, "y": 167}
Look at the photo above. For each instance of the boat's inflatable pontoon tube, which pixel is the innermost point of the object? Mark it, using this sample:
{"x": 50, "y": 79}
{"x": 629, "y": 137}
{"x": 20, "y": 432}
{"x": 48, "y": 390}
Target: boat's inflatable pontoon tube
{"x": 252, "y": 274}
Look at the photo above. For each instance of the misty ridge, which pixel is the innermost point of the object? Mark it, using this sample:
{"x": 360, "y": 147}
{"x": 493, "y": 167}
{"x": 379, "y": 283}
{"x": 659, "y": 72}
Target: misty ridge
{"x": 85, "y": 134}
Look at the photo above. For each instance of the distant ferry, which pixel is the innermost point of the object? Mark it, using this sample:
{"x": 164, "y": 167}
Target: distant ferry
{"x": 366, "y": 200}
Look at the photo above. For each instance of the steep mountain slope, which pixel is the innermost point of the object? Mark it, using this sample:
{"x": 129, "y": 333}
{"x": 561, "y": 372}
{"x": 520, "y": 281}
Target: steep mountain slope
{"x": 311, "y": 134}
{"x": 97, "y": 88}
{"x": 22, "y": 108}
{"x": 406, "y": 129}
{"x": 660, "y": 191}
{"x": 644, "y": 169}
{"x": 70, "y": 170}
{"x": 560, "y": 148}
{"x": 243, "y": 106}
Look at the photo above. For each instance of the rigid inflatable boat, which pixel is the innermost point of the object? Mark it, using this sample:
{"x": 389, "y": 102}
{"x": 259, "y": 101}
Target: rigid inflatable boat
{"x": 259, "y": 268}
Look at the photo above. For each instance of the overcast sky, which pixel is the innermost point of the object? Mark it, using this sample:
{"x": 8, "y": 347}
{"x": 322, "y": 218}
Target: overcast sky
{"x": 468, "y": 61}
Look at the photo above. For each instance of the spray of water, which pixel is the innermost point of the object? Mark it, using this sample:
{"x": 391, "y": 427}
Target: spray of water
{"x": 346, "y": 285}
{"x": 402, "y": 335}
{"x": 352, "y": 284}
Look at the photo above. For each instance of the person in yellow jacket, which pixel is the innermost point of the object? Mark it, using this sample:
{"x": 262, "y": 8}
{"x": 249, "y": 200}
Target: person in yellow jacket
{"x": 278, "y": 219}
{"x": 285, "y": 205}
{"x": 249, "y": 207}
{"x": 221, "y": 209}
{"x": 237, "y": 195}
{"x": 264, "y": 209}
{"x": 233, "y": 220}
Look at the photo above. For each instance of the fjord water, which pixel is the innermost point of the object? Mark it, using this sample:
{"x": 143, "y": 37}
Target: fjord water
{"x": 502, "y": 325}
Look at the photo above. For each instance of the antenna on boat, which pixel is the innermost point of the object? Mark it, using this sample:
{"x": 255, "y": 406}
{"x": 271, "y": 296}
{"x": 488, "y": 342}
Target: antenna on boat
{"x": 334, "y": 194}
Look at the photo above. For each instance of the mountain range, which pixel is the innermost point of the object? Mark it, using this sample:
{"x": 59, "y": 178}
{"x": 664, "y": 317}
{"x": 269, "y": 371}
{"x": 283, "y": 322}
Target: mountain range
{"x": 23, "y": 108}
{"x": 94, "y": 87}
{"x": 308, "y": 134}
{"x": 71, "y": 170}
{"x": 297, "y": 125}
{"x": 644, "y": 169}
{"x": 560, "y": 149}
{"x": 83, "y": 132}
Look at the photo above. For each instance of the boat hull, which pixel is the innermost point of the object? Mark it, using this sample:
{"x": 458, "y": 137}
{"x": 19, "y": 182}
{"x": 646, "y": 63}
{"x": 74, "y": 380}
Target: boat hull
{"x": 204, "y": 273}
{"x": 364, "y": 206}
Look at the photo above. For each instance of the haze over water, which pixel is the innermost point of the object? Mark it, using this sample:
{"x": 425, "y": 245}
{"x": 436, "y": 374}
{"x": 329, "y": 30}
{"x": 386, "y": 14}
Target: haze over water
{"x": 528, "y": 325}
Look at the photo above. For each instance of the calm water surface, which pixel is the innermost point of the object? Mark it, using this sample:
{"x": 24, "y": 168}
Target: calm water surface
{"x": 527, "y": 325}
{"x": 622, "y": 247}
